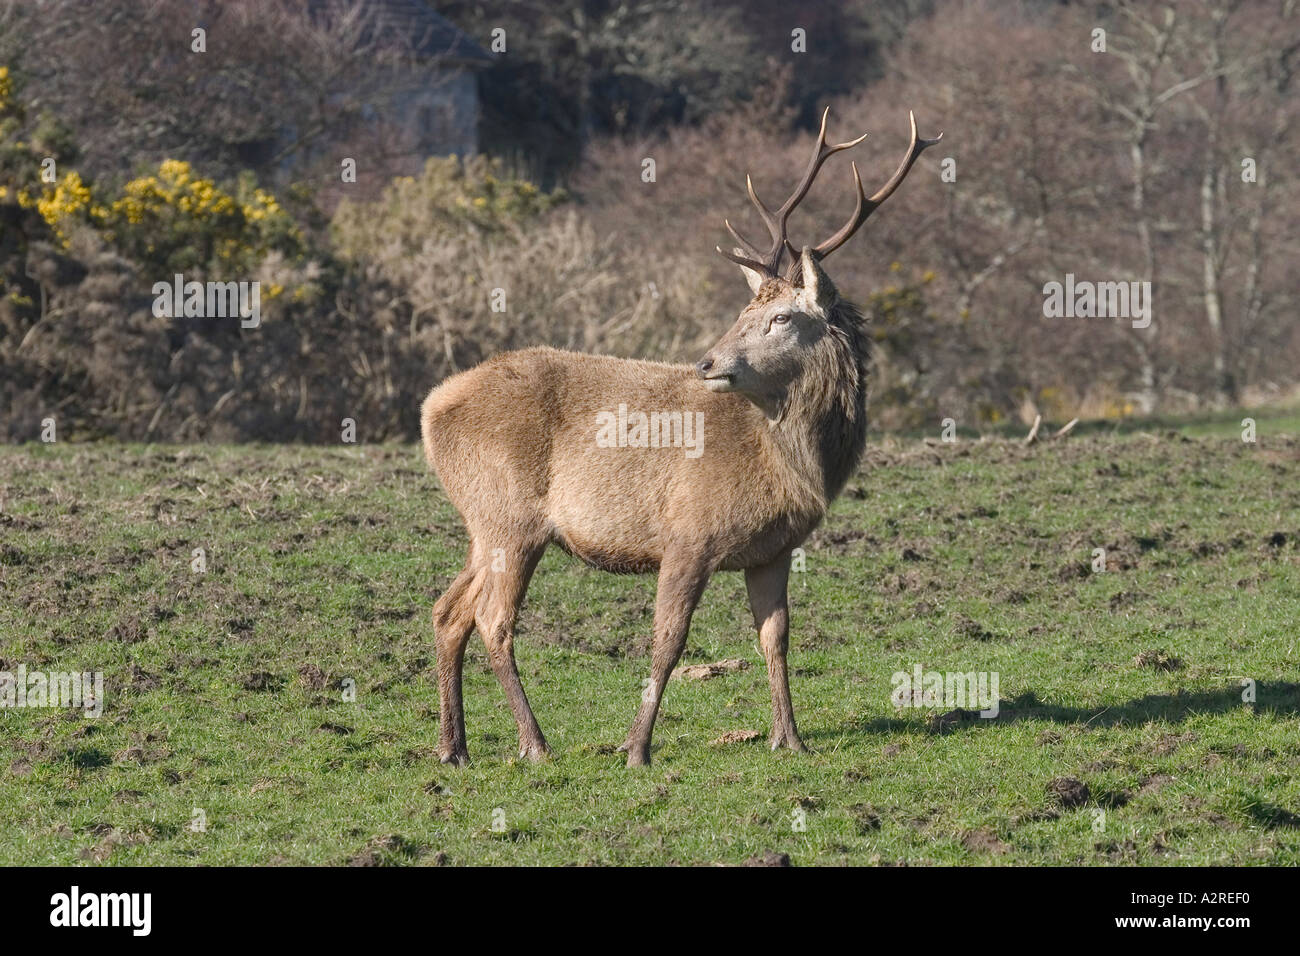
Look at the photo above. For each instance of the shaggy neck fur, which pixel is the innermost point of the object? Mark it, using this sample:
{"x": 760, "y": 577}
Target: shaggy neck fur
{"x": 821, "y": 424}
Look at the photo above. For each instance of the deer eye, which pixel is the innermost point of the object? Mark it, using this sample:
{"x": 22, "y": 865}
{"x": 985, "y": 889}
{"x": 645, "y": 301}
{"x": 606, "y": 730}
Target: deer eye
{"x": 780, "y": 319}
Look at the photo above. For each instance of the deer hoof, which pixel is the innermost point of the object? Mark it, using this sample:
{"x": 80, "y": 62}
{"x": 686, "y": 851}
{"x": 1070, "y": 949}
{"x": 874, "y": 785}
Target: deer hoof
{"x": 790, "y": 741}
{"x": 638, "y": 755}
{"x": 534, "y": 753}
{"x": 458, "y": 756}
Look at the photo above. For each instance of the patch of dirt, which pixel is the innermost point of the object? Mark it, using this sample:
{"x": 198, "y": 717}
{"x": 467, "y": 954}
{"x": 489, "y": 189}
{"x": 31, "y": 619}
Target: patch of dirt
{"x": 1208, "y": 549}
{"x": 19, "y": 523}
{"x": 312, "y": 677}
{"x": 385, "y": 850}
{"x": 128, "y": 630}
{"x": 1168, "y": 743}
{"x": 142, "y": 680}
{"x": 972, "y": 630}
{"x": 1154, "y": 782}
{"x": 1073, "y": 571}
{"x": 709, "y": 671}
{"x": 1116, "y": 851}
{"x": 768, "y": 858}
{"x": 905, "y": 581}
{"x": 110, "y": 839}
{"x": 839, "y": 541}
{"x": 1068, "y": 792}
{"x": 11, "y": 556}
{"x": 984, "y": 841}
{"x": 241, "y": 627}
{"x": 866, "y": 817}
{"x": 1126, "y": 599}
{"x": 735, "y": 737}
{"x": 1158, "y": 660}
{"x": 141, "y": 755}
{"x": 260, "y": 681}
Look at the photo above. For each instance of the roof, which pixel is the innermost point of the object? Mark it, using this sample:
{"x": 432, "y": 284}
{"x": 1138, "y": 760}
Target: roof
{"x": 412, "y": 25}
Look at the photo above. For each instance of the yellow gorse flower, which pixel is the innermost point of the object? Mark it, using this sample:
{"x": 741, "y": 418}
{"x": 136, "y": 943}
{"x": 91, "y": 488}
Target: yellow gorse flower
{"x": 178, "y": 201}
{"x": 69, "y": 197}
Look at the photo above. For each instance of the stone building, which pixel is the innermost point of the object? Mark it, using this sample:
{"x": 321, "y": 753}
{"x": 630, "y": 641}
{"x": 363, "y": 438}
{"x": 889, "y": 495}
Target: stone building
{"x": 429, "y": 101}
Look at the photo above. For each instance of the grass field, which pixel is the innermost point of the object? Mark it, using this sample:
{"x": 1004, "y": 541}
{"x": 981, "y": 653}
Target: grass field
{"x": 1122, "y": 735}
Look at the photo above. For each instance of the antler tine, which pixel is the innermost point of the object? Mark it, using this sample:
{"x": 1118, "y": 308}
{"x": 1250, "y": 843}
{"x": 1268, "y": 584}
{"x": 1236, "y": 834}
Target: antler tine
{"x": 917, "y": 147}
{"x": 821, "y": 153}
{"x": 864, "y": 206}
{"x": 753, "y": 249}
{"x": 776, "y": 223}
{"x": 748, "y": 263}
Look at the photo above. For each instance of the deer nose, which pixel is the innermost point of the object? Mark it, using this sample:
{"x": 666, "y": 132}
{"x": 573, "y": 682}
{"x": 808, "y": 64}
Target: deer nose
{"x": 703, "y": 366}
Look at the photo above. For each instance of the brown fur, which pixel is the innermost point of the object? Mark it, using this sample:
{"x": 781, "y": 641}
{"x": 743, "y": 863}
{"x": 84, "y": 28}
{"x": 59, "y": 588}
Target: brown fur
{"x": 514, "y": 444}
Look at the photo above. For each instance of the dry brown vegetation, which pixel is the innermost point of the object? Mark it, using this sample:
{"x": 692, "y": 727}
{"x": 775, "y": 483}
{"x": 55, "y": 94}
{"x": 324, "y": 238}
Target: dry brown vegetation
{"x": 1125, "y": 166}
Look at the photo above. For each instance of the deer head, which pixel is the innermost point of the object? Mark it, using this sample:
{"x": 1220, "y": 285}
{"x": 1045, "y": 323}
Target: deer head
{"x": 791, "y": 316}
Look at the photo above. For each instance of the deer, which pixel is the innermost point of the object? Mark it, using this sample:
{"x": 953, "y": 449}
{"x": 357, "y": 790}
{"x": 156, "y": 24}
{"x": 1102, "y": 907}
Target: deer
{"x": 781, "y": 398}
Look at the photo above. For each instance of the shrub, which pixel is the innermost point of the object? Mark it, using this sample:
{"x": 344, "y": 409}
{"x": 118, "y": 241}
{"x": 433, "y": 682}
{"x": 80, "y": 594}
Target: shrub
{"x": 177, "y": 221}
{"x": 481, "y": 262}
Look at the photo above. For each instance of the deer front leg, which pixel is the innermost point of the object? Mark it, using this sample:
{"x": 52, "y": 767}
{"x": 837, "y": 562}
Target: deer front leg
{"x": 681, "y": 582}
{"x": 767, "y": 599}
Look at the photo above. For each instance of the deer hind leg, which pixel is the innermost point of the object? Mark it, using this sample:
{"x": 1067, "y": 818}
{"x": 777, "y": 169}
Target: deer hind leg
{"x": 681, "y": 582}
{"x": 767, "y": 599}
{"x": 453, "y": 622}
{"x": 508, "y": 572}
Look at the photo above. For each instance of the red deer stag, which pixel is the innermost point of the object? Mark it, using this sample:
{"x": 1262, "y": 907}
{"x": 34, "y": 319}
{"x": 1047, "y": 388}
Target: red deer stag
{"x": 526, "y": 447}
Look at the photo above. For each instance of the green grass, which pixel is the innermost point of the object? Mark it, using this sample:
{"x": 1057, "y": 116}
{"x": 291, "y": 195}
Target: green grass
{"x": 224, "y": 687}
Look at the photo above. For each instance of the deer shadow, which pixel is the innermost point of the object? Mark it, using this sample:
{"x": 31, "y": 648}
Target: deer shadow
{"x": 1273, "y": 699}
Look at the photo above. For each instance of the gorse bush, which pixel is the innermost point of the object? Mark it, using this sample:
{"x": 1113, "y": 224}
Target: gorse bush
{"x": 175, "y": 221}
{"x": 170, "y": 220}
{"x": 438, "y": 273}
{"x": 179, "y": 221}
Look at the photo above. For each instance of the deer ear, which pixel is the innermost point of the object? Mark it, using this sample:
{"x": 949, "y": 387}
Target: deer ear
{"x": 755, "y": 279}
{"x": 818, "y": 289}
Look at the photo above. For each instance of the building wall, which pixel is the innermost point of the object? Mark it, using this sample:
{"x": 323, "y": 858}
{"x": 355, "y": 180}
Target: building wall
{"x": 441, "y": 116}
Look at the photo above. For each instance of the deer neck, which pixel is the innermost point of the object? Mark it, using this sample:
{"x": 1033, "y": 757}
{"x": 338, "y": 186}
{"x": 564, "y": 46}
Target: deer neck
{"x": 819, "y": 425}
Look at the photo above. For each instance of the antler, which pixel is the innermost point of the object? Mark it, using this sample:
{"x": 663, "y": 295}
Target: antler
{"x": 865, "y": 207}
{"x": 769, "y": 262}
